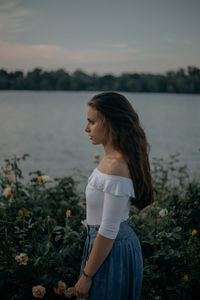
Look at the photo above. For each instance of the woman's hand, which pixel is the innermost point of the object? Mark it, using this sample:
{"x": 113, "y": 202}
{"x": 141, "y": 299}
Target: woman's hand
{"x": 82, "y": 287}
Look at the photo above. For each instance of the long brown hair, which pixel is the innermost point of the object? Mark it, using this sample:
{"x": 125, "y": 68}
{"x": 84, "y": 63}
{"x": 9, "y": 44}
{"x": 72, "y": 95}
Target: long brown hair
{"x": 129, "y": 138}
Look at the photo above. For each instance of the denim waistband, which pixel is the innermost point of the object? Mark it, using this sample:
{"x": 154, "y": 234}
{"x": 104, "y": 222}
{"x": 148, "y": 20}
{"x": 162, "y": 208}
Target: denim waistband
{"x": 123, "y": 233}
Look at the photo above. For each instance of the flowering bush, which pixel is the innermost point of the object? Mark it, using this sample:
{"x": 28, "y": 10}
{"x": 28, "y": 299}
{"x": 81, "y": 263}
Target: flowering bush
{"x": 168, "y": 231}
{"x": 42, "y": 227}
{"x": 41, "y": 234}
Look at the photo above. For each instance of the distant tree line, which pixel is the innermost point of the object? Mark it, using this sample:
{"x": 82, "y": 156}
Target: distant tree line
{"x": 180, "y": 81}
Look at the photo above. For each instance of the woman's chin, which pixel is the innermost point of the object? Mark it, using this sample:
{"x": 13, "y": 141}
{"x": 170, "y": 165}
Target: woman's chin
{"x": 94, "y": 143}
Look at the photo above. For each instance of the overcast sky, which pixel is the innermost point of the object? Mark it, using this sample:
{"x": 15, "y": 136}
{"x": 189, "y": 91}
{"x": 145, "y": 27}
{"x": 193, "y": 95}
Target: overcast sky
{"x": 101, "y": 36}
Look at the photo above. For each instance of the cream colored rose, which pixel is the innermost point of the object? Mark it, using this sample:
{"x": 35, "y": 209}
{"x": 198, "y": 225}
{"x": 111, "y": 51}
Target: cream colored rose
{"x": 163, "y": 212}
{"x": 38, "y": 291}
{"x": 22, "y": 259}
{"x": 47, "y": 178}
{"x": 7, "y": 171}
{"x": 84, "y": 222}
{"x": 2, "y": 205}
{"x": 7, "y": 192}
{"x": 69, "y": 292}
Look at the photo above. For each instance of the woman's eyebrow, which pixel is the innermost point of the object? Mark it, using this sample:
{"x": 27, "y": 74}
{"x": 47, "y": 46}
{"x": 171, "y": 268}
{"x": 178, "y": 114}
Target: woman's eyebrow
{"x": 90, "y": 119}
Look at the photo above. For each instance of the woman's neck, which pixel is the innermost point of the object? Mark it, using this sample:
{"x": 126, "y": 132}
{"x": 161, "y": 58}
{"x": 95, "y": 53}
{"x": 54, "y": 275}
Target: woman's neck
{"x": 111, "y": 152}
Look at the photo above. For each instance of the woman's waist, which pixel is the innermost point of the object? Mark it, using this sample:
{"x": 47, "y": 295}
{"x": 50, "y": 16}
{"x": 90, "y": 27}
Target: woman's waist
{"x": 124, "y": 230}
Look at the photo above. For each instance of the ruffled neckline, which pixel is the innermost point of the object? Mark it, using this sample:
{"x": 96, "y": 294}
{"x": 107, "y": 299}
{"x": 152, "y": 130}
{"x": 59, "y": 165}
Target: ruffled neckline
{"x": 113, "y": 184}
{"x": 114, "y": 176}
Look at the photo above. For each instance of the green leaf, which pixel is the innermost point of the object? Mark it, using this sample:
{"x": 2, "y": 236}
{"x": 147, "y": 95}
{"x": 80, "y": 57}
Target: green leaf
{"x": 47, "y": 248}
{"x": 58, "y": 228}
{"x": 37, "y": 261}
{"x": 177, "y": 229}
{"x": 58, "y": 237}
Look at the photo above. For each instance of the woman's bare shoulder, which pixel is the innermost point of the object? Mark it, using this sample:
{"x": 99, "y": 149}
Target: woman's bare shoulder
{"x": 117, "y": 167}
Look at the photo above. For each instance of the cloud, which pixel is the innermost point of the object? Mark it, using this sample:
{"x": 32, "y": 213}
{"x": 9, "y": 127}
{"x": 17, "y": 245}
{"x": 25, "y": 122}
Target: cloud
{"x": 12, "y": 18}
{"x": 111, "y": 58}
{"x": 20, "y": 56}
{"x": 168, "y": 39}
{"x": 125, "y": 48}
{"x": 5, "y": 5}
{"x": 177, "y": 40}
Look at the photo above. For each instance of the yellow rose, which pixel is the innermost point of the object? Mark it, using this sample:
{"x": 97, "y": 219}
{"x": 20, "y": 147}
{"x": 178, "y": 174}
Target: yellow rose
{"x": 11, "y": 180}
{"x": 96, "y": 155}
{"x": 185, "y": 277}
{"x": 45, "y": 178}
{"x": 40, "y": 178}
{"x": 194, "y": 232}
{"x": 68, "y": 213}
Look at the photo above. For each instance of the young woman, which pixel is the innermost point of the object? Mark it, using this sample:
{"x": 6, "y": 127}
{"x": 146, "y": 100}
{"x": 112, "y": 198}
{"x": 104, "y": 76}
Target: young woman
{"x": 112, "y": 264}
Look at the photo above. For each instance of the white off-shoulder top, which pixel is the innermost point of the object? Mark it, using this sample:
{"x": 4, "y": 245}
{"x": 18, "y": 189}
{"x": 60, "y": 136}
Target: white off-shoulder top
{"x": 108, "y": 201}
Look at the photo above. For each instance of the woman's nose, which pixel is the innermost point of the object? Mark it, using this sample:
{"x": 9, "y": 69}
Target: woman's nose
{"x": 86, "y": 128}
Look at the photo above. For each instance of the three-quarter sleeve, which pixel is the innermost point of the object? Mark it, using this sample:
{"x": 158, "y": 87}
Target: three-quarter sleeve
{"x": 113, "y": 208}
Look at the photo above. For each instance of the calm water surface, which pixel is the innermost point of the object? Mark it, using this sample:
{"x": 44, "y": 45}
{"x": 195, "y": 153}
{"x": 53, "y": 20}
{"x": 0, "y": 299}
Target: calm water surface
{"x": 50, "y": 127}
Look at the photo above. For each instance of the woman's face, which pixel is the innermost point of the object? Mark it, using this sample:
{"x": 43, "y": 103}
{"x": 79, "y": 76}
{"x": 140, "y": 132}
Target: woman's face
{"x": 95, "y": 128}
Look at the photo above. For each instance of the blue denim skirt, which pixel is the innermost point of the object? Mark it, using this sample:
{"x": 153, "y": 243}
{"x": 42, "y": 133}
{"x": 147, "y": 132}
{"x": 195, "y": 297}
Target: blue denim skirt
{"x": 120, "y": 275}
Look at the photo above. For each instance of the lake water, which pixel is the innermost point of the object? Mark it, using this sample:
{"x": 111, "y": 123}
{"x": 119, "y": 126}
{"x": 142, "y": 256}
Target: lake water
{"x": 50, "y": 127}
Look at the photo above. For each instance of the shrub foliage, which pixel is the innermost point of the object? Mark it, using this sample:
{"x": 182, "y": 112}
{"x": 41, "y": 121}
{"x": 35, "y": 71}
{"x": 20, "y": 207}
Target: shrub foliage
{"x": 42, "y": 232}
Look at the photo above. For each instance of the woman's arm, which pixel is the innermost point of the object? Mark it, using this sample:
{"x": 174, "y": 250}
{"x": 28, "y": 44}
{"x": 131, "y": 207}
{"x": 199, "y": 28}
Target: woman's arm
{"x": 100, "y": 250}
{"x": 112, "y": 210}
{"x": 113, "y": 207}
